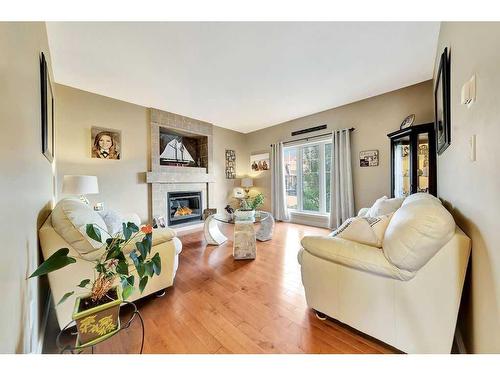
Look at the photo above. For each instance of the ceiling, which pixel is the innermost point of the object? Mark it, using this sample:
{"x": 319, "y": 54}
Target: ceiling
{"x": 242, "y": 75}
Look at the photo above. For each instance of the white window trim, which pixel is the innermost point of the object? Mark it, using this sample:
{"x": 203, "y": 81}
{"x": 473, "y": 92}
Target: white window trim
{"x": 322, "y": 178}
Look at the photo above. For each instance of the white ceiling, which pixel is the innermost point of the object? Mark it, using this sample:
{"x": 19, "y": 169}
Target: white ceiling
{"x": 242, "y": 76}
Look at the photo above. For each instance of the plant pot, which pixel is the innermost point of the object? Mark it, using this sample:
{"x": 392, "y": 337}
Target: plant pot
{"x": 97, "y": 323}
{"x": 244, "y": 214}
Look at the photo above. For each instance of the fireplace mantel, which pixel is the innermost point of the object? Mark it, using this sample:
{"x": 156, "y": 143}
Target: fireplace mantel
{"x": 176, "y": 177}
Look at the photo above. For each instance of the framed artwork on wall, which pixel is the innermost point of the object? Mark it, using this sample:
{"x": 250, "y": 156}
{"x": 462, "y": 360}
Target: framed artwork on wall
{"x": 105, "y": 143}
{"x": 259, "y": 162}
{"x": 47, "y": 110}
{"x": 230, "y": 164}
{"x": 442, "y": 112}
{"x": 368, "y": 158}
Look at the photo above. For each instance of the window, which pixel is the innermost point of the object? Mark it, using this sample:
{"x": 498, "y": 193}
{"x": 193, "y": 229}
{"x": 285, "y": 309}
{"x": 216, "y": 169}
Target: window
{"x": 307, "y": 177}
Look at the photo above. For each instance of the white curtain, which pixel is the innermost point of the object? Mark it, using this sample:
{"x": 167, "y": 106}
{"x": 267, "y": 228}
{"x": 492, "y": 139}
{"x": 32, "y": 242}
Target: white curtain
{"x": 278, "y": 193}
{"x": 342, "y": 197}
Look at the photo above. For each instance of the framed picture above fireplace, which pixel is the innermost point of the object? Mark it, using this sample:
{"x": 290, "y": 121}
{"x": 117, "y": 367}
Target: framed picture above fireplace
{"x": 181, "y": 149}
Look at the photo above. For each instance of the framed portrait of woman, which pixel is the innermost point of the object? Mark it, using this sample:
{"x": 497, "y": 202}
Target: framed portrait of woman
{"x": 105, "y": 143}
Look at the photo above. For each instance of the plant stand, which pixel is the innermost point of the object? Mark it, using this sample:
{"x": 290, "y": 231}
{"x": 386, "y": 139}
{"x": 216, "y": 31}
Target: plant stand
{"x": 78, "y": 349}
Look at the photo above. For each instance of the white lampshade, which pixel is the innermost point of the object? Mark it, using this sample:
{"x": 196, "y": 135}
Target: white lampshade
{"x": 246, "y": 182}
{"x": 76, "y": 184}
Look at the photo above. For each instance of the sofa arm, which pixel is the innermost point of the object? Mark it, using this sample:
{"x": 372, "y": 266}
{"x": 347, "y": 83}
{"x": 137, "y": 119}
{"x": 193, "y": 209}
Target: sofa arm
{"x": 363, "y": 211}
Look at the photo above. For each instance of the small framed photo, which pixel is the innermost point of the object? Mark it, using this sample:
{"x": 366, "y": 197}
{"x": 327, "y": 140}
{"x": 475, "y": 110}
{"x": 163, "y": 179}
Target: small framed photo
{"x": 259, "y": 162}
{"x": 368, "y": 158}
{"x": 105, "y": 143}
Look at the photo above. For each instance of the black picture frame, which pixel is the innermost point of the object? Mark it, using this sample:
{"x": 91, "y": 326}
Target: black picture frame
{"x": 442, "y": 110}
{"x": 47, "y": 110}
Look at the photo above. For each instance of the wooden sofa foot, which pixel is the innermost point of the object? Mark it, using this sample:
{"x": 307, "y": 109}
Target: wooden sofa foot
{"x": 161, "y": 293}
{"x": 320, "y": 315}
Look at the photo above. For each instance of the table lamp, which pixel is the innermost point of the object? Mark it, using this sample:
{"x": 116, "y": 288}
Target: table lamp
{"x": 246, "y": 183}
{"x": 80, "y": 185}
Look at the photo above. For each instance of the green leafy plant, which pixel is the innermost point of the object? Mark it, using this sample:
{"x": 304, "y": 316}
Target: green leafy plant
{"x": 252, "y": 203}
{"x": 257, "y": 201}
{"x": 112, "y": 266}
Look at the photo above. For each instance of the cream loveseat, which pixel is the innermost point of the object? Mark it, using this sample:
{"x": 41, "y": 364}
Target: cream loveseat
{"x": 65, "y": 228}
{"x": 406, "y": 294}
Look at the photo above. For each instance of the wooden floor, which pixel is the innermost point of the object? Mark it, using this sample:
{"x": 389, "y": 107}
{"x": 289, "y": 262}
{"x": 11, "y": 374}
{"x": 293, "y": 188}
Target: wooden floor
{"x": 219, "y": 305}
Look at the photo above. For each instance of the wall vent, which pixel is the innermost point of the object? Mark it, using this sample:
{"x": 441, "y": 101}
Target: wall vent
{"x": 309, "y": 130}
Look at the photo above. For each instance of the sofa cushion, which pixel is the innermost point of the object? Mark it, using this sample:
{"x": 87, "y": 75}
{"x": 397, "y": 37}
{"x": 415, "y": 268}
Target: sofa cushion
{"x": 417, "y": 231}
{"x": 421, "y": 197}
{"x": 366, "y": 230}
{"x": 354, "y": 255}
{"x": 384, "y": 206}
{"x": 69, "y": 219}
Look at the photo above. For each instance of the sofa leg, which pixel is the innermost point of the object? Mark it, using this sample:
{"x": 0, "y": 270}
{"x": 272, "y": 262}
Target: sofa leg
{"x": 161, "y": 293}
{"x": 320, "y": 315}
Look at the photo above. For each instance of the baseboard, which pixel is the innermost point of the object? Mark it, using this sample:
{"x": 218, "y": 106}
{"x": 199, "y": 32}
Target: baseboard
{"x": 459, "y": 341}
{"x": 45, "y": 318}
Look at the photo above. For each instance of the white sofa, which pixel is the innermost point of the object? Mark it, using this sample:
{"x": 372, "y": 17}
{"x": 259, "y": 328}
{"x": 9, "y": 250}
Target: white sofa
{"x": 406, "y": 294}
{"x": 63, "y": 229}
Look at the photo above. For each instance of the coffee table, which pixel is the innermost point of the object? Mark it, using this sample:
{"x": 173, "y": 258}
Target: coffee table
{"x": 244, "y": 244}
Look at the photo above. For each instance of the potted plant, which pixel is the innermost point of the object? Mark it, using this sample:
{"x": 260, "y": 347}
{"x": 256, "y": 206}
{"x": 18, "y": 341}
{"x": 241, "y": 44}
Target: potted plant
{"x": 96, "y": 312}
{"x": 248, "y": 207}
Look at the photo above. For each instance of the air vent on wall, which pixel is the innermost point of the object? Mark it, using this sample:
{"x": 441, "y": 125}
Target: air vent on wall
{"x": 309, "y": 130}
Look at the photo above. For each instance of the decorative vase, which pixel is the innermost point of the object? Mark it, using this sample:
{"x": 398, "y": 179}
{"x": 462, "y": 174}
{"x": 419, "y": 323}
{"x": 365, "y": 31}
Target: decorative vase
{"x": 97, "y": 323}
{"x": 244, "y": 214}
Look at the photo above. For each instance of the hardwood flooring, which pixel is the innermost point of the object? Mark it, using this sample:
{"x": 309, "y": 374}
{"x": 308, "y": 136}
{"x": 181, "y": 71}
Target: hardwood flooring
{"x": 219, "y": 305}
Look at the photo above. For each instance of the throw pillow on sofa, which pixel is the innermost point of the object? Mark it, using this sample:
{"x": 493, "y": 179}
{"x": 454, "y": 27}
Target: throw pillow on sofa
{"x": 384, "y": 206}
{"x": 69, "y": 219}
{"x": 366, "y": 230}
{"x": 112, "y": 220}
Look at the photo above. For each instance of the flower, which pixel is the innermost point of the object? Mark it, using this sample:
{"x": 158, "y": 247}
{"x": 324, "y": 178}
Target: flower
{"x": 147, "y": 229}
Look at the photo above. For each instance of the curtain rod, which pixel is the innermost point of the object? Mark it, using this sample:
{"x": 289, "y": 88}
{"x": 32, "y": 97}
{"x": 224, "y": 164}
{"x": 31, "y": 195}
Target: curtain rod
{"x": 312, "y": 136}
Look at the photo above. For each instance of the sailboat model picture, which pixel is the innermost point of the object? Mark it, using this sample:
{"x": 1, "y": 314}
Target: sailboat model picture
{"x": 175, "y": 152}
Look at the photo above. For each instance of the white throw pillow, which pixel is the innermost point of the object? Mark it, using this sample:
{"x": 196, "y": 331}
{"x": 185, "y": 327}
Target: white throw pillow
{"x": 69, "y": 219}
{"x": 384, "y": 206}
{"x": 366, "y": 230}
{"x": 416, "y": 232}
{"x": 112, "y": 220}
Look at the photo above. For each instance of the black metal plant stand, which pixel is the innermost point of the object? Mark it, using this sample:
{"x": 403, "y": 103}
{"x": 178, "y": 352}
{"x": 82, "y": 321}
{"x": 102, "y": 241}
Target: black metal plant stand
{"x": 77, "y": 349}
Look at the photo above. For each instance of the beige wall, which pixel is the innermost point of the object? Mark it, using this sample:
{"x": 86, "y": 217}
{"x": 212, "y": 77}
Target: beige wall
{"x": 122, "y": 183}
{"x": 26, "y": 183}
{"x": 472, "y": 188}
{"x": 373, "y": 119}
{"x": 231, "y": 140}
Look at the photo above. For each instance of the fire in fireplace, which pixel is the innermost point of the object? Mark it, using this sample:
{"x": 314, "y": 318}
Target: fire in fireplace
{"x": 184, "y": 207}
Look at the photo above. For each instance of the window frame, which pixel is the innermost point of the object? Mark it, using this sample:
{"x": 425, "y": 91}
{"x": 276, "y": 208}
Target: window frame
{"x": 322, "y": 176}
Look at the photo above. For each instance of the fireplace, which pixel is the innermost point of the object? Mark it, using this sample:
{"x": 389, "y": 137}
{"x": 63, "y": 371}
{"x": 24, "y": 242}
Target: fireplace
{"x": 184, "y": 207}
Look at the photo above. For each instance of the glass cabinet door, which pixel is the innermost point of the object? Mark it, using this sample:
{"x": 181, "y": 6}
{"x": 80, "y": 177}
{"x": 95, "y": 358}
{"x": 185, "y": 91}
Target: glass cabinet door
{"x": 402, "y": 160}
{"x": 423, "y": 163}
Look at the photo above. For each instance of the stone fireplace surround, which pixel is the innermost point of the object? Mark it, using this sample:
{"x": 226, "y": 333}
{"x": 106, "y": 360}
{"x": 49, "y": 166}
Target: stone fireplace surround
{"x": 165, "y": 179}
